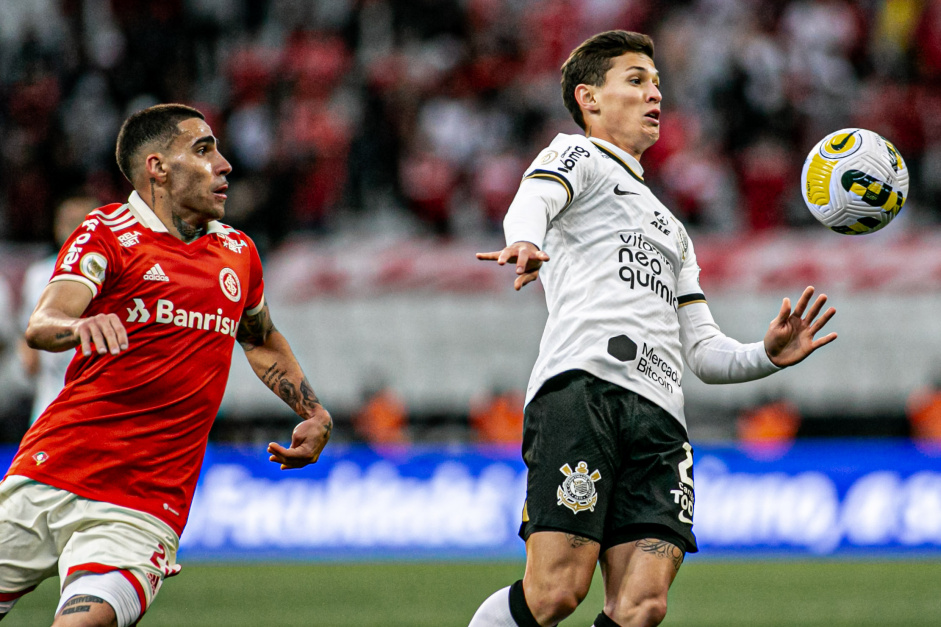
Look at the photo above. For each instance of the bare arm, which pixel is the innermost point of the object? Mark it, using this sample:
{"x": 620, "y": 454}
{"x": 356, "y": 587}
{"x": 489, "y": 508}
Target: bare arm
{"x": 272, "y": 360}
{"x": 57, "y": 325}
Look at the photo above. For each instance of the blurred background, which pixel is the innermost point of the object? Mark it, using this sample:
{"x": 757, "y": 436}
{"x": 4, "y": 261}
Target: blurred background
{"x": 376, "y": 145}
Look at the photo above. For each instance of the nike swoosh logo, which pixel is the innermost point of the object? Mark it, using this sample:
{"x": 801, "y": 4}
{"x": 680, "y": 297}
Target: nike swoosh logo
{"x": 621, "y": 192}
{"x": 842, "y": 143}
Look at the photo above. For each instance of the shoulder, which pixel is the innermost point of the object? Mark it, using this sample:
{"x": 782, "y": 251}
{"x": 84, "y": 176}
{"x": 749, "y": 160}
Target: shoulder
{"x": 232, "y": 238}
{"x": 569, "y": 159}
{"x": 109, "y": 222}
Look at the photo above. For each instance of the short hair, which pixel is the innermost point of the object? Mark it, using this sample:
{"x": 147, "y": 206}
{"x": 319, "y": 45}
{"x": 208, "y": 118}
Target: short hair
{"x": 153, "y": 124}
{"x": 591, "y": 60}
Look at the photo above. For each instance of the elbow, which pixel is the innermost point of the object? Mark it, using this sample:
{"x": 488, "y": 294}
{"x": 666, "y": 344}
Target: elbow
{"x": 32, "y": 337}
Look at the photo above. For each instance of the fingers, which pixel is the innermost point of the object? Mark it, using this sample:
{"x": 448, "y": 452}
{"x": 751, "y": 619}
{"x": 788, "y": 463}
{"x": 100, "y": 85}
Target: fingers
{"x": 491, "y": 256}
{"x": 821, "y": 322}
{"x": 523, "y": 279}
{"x": 824, "y": 340}
{"x": 784, "y": 313}
{"x": 803, "y": 300}
{"x": 816, "y": 307}
{"x": 105, "y": 332}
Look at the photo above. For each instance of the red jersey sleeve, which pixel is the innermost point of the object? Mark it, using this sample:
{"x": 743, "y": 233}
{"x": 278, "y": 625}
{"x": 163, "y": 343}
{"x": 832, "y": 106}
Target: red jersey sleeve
{"x": 255, "y": 296}
{"x": 89, "y": 256}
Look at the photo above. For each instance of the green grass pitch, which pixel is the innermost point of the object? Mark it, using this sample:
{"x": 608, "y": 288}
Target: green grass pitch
{"x": 726, "y": 593}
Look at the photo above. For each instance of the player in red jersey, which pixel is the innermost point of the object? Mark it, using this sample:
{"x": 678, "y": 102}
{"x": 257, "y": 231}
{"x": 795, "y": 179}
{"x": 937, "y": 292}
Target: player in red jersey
{"x": 153, "y": 293}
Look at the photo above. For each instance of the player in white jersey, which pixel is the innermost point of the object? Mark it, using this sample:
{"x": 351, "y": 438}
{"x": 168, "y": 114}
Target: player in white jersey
{"x": 604, "y": 437}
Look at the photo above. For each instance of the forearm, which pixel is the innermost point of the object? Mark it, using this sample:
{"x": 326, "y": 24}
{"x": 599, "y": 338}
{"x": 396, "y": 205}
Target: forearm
{"x": 713, "y": 356}
{"x": 53, "y": 331}
{"x": 274, "y": 363}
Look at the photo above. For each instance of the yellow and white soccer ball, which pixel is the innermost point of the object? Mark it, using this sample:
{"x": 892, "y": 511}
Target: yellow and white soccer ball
{"x": 854, "y": 181}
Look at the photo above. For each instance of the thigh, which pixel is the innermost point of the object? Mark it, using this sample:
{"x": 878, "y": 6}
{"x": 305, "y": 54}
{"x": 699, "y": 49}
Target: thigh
{"x": 570, "y": 450}
{"x": 638, "y": 572}
{"x": 142, "y": 548}
{"x": 654, "y": 494}
{"x": 28, "y": 548}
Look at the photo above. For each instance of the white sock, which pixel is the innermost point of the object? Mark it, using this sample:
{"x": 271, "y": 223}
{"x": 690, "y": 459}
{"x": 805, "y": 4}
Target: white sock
{"x": 495, "y": 611}
{"x": 113, "y": 589}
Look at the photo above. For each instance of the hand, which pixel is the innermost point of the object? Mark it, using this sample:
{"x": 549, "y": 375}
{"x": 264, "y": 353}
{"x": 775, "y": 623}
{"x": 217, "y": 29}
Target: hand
{"x": 790, "y": 337}
{"x": 307, "y": 442}
{"x": 104, "y": 330}
{"x": 526, "y": 255}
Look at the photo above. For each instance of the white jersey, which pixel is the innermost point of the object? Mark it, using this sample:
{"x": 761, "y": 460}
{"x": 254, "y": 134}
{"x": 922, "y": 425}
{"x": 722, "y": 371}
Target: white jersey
{"x": 621, "y": 267}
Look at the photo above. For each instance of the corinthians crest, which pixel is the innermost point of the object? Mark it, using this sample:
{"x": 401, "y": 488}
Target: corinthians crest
{"x": 578, "y": 492}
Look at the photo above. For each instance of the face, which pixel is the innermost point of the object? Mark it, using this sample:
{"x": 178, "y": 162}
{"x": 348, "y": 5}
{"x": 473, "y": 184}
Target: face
{"x": 196, "y": 182}
{"x": 626, "y": 109}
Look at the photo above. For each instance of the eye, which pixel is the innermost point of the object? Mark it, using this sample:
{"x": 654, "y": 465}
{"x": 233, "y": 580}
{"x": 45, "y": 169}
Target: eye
{"x": 634, "y": 81}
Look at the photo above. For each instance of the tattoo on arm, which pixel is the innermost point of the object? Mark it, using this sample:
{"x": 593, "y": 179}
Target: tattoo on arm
{"x": 64, "y": 335}
{"x": 663, "y": 550}
{"x": 301, "y": 401}
{"x": 254, "y": 330}
{"x": 578, "y": 541}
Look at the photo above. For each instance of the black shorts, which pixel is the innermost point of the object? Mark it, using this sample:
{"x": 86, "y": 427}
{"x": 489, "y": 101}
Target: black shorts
{"x": 607, "y": 464}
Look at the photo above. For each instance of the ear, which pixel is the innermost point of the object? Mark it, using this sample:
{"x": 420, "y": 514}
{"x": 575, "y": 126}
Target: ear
{"x": 155, "y": 167}
{"x": 585, "y": 97}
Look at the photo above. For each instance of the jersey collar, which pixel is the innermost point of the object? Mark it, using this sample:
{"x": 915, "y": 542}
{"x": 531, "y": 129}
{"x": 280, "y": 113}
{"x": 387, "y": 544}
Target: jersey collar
{"x": 621, "y": 156}
{"x": 146, "y": 216}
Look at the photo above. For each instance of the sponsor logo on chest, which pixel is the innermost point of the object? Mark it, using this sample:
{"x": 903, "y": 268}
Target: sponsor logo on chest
{"x": 166, "y": 312}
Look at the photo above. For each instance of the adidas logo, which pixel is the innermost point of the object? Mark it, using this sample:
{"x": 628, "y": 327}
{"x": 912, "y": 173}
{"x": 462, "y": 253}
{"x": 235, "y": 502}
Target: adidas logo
{"x": 156, "y": 274}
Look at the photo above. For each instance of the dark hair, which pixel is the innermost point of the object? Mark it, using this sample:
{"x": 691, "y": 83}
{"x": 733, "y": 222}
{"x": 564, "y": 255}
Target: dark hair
{"x": 153, "y": 124}
{"x": 589, "y": 63}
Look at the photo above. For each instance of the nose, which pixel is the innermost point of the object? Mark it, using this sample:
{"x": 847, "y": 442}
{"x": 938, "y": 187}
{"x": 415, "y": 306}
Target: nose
{"x": 654, "y": 95}
{"x": 223, "y": 167}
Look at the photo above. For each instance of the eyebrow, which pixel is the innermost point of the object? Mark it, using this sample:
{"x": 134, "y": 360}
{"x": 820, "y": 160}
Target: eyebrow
{"x": 208, "y": 139}
{"x": 644, "y": 70}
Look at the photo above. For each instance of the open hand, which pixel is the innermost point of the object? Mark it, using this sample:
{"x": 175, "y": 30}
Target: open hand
{"x": 527, "y": 257}
{"x": 790, "y": 336}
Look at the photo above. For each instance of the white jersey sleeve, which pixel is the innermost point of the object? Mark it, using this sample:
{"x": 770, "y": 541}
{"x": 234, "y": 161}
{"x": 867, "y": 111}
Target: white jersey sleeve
{"x": 535, "y": 204}
{"x": 715, "y": 357}
{"x": 710, "y": 354}
{"x": 555, "y": 177}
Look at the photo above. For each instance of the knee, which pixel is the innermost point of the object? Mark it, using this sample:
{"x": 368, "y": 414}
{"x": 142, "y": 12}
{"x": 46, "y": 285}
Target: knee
{"x": 555, "y": 601}
{"x": 647, "y": 612}
{"x": 652, "y": 611}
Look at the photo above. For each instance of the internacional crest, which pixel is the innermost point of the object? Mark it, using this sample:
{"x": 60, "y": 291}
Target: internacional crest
{"x": 578, "y": 492}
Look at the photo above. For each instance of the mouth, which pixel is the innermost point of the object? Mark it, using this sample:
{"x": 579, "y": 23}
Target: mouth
{"x": 653, "y": 114}
{"x": 220, "y": 192}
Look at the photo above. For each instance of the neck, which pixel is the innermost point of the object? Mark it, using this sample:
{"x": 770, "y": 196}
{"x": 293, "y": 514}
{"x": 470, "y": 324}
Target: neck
{"x": 187, "y": 231}
{"x": 601, "y": 133}
{"x": 161, "y": 203}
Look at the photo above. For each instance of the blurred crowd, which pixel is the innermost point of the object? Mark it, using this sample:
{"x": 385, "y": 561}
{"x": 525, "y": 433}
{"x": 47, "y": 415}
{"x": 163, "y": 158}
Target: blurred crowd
{"x": 420, "y": 116}
{"x": 430, "y": 110}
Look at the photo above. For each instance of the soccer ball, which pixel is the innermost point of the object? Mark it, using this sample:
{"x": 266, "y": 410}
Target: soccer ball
{"x": 854, "y": 181}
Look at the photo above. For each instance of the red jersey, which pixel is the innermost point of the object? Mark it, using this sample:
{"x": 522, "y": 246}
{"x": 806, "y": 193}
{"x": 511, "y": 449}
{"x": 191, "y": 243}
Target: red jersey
{"x": 131, "y": 429}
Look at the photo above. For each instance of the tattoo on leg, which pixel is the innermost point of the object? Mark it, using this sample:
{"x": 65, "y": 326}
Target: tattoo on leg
{"x": 80, "y": 604}
{"x": 663, "y": 550}
{"x": 578, "y": 541}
